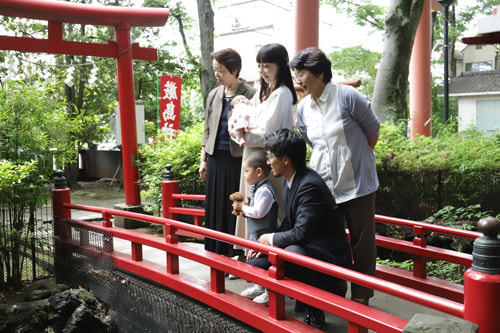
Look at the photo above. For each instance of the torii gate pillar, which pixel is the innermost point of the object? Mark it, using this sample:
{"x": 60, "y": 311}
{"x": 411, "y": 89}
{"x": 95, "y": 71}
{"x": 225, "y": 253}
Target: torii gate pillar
{"x": 420, "y": 76}
{"x": 306, "y": 24}
{"x": 126, "y": 97}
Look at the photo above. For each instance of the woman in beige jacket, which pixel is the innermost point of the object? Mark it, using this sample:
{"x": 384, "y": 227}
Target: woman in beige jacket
{"x": 220, "y": 162}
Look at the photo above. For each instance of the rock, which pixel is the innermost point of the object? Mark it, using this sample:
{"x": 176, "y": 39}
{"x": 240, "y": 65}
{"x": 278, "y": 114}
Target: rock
{"x": 42, "y": 289}
{"x": 68, "y": 311}
{"x": 423, "y": 323}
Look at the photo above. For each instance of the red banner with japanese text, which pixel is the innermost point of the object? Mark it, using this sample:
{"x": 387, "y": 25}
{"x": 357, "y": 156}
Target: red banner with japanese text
{"x": 170, "y": 105}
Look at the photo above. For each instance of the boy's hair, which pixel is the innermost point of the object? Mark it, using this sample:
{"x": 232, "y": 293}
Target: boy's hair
{"x": 258, "y": 159}
{"x": 285, "y": 142}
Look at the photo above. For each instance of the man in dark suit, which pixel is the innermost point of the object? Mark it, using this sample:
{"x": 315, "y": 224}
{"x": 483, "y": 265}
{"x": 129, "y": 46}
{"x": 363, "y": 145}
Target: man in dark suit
{"x": 314, "y": 225}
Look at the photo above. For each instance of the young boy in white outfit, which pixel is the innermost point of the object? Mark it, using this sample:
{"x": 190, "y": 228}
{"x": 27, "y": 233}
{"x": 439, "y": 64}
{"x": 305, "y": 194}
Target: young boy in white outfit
{"x": 261, "y": 213}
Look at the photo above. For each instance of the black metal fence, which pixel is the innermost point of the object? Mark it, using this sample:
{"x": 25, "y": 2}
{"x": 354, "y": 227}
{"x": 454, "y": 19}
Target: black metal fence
{"x": 34, "y": 255}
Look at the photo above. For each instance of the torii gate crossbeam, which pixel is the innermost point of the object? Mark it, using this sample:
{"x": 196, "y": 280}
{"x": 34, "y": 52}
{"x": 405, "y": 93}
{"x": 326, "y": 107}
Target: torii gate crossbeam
{"x": 122, "y": 19}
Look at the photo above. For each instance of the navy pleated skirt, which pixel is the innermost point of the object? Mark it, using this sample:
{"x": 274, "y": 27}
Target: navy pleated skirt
{"x": 223, "y": 178}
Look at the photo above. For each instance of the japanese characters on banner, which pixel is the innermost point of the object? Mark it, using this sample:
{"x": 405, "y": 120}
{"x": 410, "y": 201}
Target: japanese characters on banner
{"x": 170, "y": 105}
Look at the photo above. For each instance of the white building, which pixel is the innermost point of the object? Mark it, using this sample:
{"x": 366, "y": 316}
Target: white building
{"x": 478, "y": 86}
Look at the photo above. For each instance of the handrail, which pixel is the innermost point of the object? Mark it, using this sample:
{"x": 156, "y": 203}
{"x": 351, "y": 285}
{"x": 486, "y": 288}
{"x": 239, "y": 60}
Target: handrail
{"x": 390, "y": 288}
{"x": 428, "y": 227}
{"x": 419, "y": 248}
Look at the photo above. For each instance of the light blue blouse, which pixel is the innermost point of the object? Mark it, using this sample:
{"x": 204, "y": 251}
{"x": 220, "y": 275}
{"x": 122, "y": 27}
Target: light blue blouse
{"x": 337, "y": 128}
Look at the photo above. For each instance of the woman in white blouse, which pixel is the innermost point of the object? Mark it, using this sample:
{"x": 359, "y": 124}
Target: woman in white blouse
{"x": 274, "y": 109}
{"x": 341, "y": 127}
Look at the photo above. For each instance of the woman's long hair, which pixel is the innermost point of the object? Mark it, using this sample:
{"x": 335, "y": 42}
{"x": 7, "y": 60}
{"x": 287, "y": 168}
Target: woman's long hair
{"x": 276, "y": 54}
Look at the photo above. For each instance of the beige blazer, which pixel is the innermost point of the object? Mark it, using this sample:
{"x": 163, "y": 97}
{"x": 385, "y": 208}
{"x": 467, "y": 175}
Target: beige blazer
{"x": 213, "y": 111}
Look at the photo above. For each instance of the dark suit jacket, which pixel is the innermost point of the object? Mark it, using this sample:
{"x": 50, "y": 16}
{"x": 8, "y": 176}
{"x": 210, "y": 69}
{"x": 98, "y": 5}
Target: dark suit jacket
{"x": 213, "y": 111}
{"x": 313, "y": 219}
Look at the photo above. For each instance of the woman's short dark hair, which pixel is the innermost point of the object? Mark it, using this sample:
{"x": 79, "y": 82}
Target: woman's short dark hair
{"x": 229, "y": 58}
{"x": 315, "y": 61}
{"x": 276, "y": 54}
{"x": 285, "y": 142}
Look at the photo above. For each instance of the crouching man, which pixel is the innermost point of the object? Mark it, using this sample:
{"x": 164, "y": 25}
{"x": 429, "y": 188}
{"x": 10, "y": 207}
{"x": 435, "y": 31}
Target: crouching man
{"x": 313, "y": 226}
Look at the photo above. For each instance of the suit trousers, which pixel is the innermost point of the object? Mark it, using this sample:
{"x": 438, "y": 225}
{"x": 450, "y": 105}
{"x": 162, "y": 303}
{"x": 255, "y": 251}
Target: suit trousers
{"x": 303, "y": 274}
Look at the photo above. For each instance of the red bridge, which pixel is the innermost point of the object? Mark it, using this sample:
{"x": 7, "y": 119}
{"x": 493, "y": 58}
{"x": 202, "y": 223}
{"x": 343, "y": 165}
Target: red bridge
{"x": 477, "y": 301}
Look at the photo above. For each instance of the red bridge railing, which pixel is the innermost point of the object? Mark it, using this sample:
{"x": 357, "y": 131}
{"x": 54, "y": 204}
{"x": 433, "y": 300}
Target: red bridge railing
{"x": 414, "y": 287}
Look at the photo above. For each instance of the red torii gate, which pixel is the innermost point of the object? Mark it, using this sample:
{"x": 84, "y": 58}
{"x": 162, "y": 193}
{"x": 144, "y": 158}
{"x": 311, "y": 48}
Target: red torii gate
{"x": 122, "y": 19}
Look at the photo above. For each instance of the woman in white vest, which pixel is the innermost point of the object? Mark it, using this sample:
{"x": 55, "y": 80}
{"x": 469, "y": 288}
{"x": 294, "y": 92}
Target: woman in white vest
{"x": 341, "y": 127}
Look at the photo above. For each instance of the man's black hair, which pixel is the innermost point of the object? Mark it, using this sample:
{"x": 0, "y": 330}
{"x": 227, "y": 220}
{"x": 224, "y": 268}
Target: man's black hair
{"x": 285, "y": 142}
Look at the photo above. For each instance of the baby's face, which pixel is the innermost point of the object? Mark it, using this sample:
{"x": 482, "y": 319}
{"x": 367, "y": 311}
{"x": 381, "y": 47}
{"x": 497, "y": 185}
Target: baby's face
{"x": 240, "y": 99}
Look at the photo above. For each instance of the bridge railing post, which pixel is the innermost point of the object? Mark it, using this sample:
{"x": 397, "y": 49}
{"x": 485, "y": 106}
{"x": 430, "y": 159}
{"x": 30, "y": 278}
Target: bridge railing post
{"x": 60, "y": 195}
{"x": 62, "y": 233}
{"x": 482, "y": 280}
{"x": 168, "y": 187}
{"x": 419, "y": 262}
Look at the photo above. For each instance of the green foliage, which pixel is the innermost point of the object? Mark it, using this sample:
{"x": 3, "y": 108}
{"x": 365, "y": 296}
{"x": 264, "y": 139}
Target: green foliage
{"x": 365, "y": 14}
{"x": 418, "y": 177}
{"x": 34, "y": 125}
{"x": 34, "y": 129}
{"x": 21, "y": 192}
{"x": 439, "y": 269}
{"x": 460, "y": 152}
{"x": 356, "y": 63}
{"x": 459, "y": 217}
{"x": 183, "y": 153}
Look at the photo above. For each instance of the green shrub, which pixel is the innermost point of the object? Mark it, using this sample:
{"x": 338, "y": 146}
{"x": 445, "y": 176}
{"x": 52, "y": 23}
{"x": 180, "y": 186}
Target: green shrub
{"x": 460, "y": 152}
{"x": 35, "y": 129}
{"x": 183, "y": 153}
{"x": 421, "y": 176}
{"x": 439, "y": 269}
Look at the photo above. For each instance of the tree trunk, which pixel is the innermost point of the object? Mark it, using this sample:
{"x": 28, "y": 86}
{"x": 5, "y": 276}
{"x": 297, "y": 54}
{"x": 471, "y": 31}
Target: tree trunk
{"x": 390, "y": 96}
{"x": 206, "y": 22}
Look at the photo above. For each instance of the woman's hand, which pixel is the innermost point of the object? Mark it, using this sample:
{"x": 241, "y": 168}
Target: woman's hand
{"x": 230, "y": 126}
{"x": 203, "y": 164}
{"x": 203, "y": 170}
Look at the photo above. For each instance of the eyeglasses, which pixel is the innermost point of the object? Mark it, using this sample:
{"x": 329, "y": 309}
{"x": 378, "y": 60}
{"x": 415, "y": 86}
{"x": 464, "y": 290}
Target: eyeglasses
{"x": 298, "y": 76}
{"x": 270, "y": 156}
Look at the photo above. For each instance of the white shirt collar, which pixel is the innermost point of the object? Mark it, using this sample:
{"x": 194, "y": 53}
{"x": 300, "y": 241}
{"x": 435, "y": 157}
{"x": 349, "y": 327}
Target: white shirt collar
{"x": 289, "y": 182}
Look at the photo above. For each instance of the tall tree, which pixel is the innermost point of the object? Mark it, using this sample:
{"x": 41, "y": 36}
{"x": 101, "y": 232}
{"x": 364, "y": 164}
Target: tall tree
{"x": 390, "y": 98}
{"x": 206, "y": 21}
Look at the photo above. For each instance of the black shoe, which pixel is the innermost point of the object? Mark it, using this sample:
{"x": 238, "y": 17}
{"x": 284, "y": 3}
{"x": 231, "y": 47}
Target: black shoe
{"x": 316, "y": 320}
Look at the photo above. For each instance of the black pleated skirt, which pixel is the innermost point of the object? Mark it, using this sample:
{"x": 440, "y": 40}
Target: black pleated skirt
{"x": 223, "y": 178}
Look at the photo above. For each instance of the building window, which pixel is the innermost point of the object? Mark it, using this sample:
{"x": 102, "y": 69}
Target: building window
{"x": 488, "y": 115}
{"x": 479, "y": 66}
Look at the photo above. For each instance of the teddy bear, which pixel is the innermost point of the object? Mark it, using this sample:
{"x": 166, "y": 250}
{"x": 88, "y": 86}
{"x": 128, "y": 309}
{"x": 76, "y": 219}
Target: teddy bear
{"x": 238, "y": 197}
